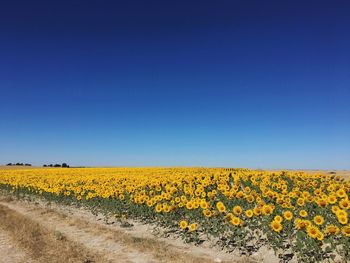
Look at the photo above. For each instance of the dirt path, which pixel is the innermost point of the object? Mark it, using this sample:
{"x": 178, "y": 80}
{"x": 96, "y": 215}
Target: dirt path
{"x": 92, "y": 241}
{"x": 25, "y": 240}
{"x": 82, "y": 233}
{"x": 9, "y": 252}
{"x": 57, "y": 228}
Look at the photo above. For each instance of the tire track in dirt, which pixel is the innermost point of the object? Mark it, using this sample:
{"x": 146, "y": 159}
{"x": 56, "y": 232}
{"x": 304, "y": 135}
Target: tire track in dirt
{"x": 112, "y": 244}
{"x": 41, "y": 244}
{"x": 85, "y": 235}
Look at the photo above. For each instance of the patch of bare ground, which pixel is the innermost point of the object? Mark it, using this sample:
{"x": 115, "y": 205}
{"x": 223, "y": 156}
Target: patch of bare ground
{"x": 115, "y": 243}
{"x": 39, "y": 243}
{"x": 9, "y": 252}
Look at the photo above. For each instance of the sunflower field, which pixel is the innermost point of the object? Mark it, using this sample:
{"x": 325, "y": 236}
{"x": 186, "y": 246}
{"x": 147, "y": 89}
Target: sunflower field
{"x": 301, "y": 216}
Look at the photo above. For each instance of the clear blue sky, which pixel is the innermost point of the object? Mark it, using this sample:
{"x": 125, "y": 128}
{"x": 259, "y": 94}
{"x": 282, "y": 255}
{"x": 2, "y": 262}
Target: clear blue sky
{"x": 260, "y": 84}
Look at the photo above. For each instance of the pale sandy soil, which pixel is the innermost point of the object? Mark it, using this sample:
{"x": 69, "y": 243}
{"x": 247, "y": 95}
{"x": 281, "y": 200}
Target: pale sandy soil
{"x": 9, "y": 252}
{"x": 65, "y": 229}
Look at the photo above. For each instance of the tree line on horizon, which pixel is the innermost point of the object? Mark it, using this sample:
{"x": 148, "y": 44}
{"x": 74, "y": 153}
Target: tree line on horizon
{"x": 63, "y": 165}
{"x": 18, "y": 164}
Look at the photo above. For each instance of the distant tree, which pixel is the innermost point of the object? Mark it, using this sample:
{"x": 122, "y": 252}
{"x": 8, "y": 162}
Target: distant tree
{"x": 27, "y": 164}
{"x": 64, "y": 165}
{"x": 9, "y": 164}
{"x": 44, "y": 165}
{"x": 57, "y": 165}
{"x": 19, "y": 164}
{"x": 50, "y": 165}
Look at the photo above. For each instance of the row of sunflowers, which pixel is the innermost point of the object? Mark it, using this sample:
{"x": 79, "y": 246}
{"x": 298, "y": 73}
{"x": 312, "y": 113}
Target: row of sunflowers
{"x": 301, "y": 216}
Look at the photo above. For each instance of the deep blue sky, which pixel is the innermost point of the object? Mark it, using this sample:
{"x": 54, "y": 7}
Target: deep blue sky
{"x": 260, "y": 84}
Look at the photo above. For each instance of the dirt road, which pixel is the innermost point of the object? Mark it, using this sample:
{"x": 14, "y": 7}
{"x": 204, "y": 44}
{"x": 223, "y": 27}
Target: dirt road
{"x": 32, "y": 232}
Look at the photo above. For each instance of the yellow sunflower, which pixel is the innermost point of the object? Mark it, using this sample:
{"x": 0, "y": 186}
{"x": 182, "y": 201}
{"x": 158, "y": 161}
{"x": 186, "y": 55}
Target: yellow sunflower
{"x": 332, "y": 230}
{"x": 235, "y": 221}
{"x": 344, "y": 203}
{"x": 288, "y": 215}
{"x": 183, "y": 224}
{"x": 278, "y": 218}
{"x": 303, "y": 213}
{"x": 249, "y": 213}
{"x": 237, "y": 210}
{"x": 346, "y": 230}
{"x": 192, "y": 227}
{"x": 319, "y": 220}
{"x": 312, "y": 231}
{"x": 276, "y": 226}
{"x": 221, "y": 207}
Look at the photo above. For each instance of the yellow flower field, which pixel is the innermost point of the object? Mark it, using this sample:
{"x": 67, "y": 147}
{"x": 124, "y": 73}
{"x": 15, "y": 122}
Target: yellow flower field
{"x": 299, "y": 215}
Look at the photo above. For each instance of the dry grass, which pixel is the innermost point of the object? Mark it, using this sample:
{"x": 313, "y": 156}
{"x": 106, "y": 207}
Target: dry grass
{"x": 159, "y": 249}
{"x": 57, "y": 243}
{"x": 41, "y": 244}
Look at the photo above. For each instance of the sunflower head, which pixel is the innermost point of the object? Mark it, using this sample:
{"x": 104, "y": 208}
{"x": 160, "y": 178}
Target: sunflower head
{"x": 318, "y": 220}
{"x": 343, "y": 220}
{"x": 193, "y": 227}
{"x": 235, "y": 221}
{"x": 312, "y": 231}
{"x": 237, "y": 210}
{"x": 249, "y": 213}
{"x": 267, "y": 210}
{"x": 303, "y": 213}
{"x": 332, "y": 230}
{"x": 278, "y": 218}
{"x": 221, "y": 207}
{"x": 346, "y": 230}
{"x": 344, "y": 203}
{"x": 183, "y": 224}
{"x": 276, "y": 226}
{"x": 288, "y": 215}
